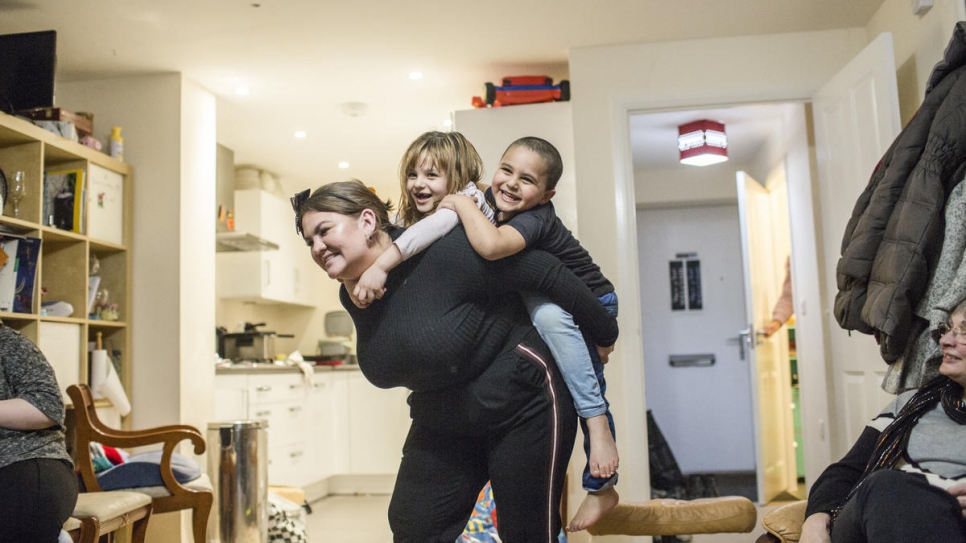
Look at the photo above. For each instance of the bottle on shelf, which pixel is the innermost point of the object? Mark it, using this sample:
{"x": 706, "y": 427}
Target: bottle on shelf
{"x": 116, "y": 144}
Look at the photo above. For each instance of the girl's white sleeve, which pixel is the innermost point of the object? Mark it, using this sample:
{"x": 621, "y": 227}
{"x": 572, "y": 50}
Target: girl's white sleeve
{"x": 427, "y": 230}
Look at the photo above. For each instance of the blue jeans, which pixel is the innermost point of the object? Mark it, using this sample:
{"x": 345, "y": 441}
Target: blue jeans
{"x": 580, "y": 366}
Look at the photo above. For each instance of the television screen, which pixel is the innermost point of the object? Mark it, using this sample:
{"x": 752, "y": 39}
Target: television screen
{"x": 27, "y": 63}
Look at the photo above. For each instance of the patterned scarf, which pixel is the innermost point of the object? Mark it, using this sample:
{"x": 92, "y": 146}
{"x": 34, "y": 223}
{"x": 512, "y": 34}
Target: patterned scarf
{"x": 892, "y": 442}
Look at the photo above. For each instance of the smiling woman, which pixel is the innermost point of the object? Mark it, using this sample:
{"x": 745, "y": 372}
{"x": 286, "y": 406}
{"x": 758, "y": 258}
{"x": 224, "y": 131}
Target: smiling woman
{"x": 905, "y": 478}
{"x": 487, "y": 400}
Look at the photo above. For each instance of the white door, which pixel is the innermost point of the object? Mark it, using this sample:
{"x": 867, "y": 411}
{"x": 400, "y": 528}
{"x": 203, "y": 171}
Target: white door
{"x": 768, "y": 369}
{"x": 856, "y": 118}
{"x": 703, "y": 411}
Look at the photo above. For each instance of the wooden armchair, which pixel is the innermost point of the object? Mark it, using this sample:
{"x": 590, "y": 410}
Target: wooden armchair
{"x": 196, "y": 495}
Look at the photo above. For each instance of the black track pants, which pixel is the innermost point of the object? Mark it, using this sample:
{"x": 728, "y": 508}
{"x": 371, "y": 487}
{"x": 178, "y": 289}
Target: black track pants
{"x": 513, "y": 425}
{"x": 895, "y": 506}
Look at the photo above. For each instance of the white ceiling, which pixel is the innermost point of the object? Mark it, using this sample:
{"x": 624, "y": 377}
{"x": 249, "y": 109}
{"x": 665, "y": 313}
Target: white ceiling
{"x": 303, "y": 59}
{"x": 654, "y": 135}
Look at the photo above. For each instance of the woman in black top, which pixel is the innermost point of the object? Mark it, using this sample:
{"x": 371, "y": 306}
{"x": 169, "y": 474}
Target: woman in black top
{"x": 38, "y": 488}
{"x": 487, "y": 401}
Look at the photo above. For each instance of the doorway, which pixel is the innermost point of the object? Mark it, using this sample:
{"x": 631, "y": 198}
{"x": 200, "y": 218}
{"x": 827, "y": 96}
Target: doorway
{"x": 710, "y": 412}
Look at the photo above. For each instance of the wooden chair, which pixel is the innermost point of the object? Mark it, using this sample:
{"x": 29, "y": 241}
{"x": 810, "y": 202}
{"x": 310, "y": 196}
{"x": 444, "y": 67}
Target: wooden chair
{"x": 196, "y": 495}
{"x": 98, "y": 515}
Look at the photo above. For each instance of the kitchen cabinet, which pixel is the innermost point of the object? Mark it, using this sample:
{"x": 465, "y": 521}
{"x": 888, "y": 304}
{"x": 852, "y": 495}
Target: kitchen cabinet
{"x": 269, "y": 276}
{"x": 102, "y": 233}
{"x": 377, "y": 426}
{"x": 339, "y": 431}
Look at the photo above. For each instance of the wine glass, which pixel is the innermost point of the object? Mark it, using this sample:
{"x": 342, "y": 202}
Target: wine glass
{"x": 17, "y": 190}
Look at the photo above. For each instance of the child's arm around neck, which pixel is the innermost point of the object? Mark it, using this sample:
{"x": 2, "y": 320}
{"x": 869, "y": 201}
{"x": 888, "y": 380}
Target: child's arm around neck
{"x": 488, "y": 240}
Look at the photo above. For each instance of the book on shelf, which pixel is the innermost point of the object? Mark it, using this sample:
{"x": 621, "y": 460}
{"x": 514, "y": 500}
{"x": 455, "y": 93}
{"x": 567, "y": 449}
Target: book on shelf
{"x": 18, "y": 275}
{"x": 105, "y": 205}
{"x": 65, "y": 199}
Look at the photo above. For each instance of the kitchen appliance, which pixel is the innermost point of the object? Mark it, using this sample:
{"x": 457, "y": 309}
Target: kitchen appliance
{"x": 252, "y": 345}
{"x": 338, "y": 326}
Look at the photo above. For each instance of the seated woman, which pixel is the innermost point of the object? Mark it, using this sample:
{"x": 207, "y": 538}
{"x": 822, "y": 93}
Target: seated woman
{"x": 905, "y": 478}
{"x": 38, "y": 488}
{"x": 487, "y": 400}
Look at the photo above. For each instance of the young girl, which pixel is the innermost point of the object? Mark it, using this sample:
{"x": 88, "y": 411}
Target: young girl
{"x": 435, "y": 165}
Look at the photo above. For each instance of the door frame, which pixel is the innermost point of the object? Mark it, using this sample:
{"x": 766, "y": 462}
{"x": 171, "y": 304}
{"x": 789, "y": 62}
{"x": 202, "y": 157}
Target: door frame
{"x": 813, "y": 380}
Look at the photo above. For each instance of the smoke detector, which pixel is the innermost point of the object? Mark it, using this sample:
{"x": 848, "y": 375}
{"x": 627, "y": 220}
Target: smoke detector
{"x": 354, "y": 109}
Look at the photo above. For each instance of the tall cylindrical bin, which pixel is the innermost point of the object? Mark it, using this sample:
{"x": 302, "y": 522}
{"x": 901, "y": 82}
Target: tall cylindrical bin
{"x": 238, "y": 467}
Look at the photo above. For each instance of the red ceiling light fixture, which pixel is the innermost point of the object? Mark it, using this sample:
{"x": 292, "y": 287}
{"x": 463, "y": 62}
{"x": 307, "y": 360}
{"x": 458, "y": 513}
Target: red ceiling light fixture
{"x": 702, "y": 143}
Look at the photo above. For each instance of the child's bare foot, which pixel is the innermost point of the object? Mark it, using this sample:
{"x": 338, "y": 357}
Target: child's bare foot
{"x": 593, "y": 508}
{"x": 603, "y": 459}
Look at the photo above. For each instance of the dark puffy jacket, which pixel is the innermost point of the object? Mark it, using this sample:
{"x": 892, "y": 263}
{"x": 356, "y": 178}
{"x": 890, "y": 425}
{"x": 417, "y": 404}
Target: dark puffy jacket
{"x": 895, "y": 235}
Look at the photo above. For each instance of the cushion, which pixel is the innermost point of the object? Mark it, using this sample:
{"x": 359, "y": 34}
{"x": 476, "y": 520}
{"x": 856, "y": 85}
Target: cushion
{"x": 785, "y": 521}
{"x": 143, "y": 470}
{"x": 673, "y": 517}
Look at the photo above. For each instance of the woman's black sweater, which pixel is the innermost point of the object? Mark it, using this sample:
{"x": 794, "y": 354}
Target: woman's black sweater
{"x": 448, "y": 313}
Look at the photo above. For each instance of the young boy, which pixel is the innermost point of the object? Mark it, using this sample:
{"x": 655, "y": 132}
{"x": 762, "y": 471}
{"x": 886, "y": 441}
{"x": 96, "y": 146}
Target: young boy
{"x": 521, "y": 191}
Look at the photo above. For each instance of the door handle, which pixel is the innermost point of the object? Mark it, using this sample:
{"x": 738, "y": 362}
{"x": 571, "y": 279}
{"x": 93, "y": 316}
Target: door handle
{"x": 744, "y": 339}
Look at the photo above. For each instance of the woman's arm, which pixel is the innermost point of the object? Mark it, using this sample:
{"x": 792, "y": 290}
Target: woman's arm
{"x": 815, "y": 529}
{"x": 371, "y": 285}
{"x": 831, "y": 488}
{"x": 488, "y": 240}
{"x": 18, "y": 414}
{"x": 34, "y": 401}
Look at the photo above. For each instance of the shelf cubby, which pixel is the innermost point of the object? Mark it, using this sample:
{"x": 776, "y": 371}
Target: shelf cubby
{"x": 63, "y": 268}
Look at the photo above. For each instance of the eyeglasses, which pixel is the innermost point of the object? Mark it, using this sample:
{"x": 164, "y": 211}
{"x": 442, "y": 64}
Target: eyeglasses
{"x": 958, "y": 333}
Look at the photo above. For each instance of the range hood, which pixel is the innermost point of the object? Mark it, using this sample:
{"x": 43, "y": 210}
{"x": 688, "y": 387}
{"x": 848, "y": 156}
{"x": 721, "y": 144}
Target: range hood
{"x": 226, "y": 242}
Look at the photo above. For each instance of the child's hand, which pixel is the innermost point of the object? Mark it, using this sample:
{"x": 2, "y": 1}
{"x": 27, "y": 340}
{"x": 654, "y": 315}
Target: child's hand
{"x": 350, "y": 287}
{"x": 450, "y": 201}
{"x": 370, "y": 287}
{"x": 604, "y": 353}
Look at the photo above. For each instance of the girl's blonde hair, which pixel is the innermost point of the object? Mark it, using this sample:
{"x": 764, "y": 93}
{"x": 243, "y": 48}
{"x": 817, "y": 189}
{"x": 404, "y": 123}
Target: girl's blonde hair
{"x": 452, "y": 154}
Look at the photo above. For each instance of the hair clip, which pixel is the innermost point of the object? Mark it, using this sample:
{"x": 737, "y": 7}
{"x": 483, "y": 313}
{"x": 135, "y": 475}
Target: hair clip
{"x": 297, "y": 202}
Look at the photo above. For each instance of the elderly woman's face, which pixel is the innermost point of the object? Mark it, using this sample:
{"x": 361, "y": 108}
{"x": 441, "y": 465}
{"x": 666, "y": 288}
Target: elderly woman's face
{"x": 953, "y": 345}
{"x": 337, "y": 243}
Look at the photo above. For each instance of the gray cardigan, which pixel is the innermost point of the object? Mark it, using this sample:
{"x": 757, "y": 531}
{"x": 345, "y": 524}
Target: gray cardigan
{"x": 26, "y": 374}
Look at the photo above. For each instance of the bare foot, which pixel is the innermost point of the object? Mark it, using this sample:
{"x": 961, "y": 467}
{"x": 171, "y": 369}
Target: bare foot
{"x": 604, "y": 459}
{"x": 593, "y": 508}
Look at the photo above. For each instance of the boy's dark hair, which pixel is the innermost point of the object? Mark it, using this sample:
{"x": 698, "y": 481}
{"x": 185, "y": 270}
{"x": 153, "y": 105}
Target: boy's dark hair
{"x": 547, "y": 152}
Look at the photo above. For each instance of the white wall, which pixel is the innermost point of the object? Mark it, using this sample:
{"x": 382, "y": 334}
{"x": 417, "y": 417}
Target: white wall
{"x": 919, "y": 42}
{"x": 492, "y": 130}
{"x": 686, "y": 186}
{"x": 608, "y": 83}
{"x": 169, "y": 139}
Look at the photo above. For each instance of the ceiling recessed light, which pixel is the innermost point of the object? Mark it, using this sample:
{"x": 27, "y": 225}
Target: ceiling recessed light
{"x": 343, "y": 165}
{"x": 300, "y": 134}
{"x": 415, "y": 75}
{"x": 241, "y": 91}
